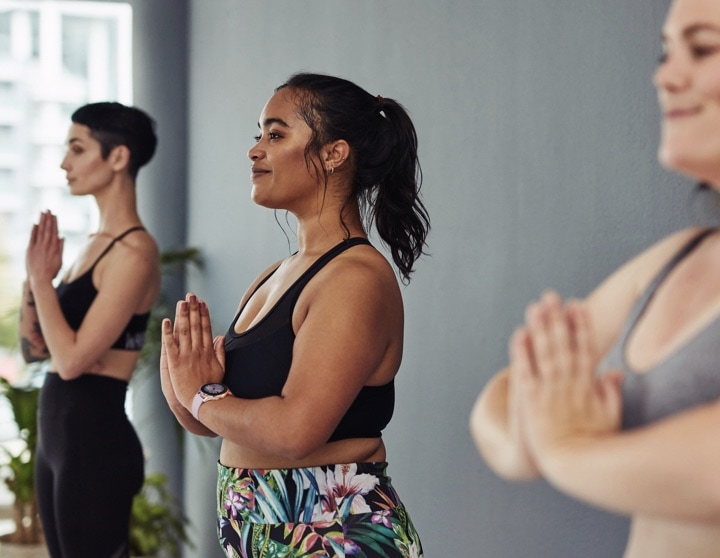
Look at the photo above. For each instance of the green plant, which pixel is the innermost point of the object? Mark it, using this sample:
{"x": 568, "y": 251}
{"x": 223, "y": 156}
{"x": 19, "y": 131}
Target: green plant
{"x": 156, "y": 521}
{"x": 8, "y": 328}
{"x": 19, "y": 472}
{"x": 173, "y": 264}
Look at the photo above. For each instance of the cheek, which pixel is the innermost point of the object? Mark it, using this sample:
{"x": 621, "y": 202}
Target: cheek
{"x": 709, "y": 85}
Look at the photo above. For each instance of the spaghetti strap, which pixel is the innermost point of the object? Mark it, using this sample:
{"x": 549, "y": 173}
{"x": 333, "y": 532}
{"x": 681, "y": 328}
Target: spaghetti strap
{"x": 114, "y": 240}
{"x": 678, "y": 257}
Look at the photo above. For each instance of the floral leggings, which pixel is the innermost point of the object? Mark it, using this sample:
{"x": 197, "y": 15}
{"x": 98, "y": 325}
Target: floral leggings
{"x": 313, "y": 512}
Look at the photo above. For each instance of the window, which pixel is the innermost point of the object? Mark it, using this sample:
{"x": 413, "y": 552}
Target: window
{"x": 54, "y": 57}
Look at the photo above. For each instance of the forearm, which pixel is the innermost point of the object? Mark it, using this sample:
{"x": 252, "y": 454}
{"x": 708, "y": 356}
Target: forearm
{"x": 270, "y": 425}
{"x": 59, "y": 337}
{"x": 188, "y": 422}
{"x": 506, "y": 455}
{"x": 32, "y": 343}
{"x": 667, "y": 469}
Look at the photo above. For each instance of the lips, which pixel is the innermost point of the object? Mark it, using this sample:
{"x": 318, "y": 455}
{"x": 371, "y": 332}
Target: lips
{"x": 675, "y": 113}
{"x": 257, "y": 172}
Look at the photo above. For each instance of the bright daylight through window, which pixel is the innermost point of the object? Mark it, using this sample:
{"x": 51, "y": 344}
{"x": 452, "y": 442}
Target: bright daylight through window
{"x": 54, "y": 57}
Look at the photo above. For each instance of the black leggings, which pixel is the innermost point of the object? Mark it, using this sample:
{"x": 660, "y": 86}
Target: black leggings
{"x": 89, "y": 465}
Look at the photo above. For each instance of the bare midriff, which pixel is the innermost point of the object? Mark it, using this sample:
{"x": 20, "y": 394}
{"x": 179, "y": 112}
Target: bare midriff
{"x": 355, "y": 450}
{"x": 115, "y": 363}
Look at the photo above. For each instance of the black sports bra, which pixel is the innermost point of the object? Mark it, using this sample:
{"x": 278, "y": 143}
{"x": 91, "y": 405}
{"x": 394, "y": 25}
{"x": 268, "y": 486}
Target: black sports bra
{"x": 76, "y": 297}
{"x": 257, "y": 361}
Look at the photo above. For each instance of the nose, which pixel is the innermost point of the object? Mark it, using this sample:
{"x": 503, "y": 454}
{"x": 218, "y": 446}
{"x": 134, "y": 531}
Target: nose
{"x": 672, "y": 74}
{"x": 254, "y": 153}
{"x": 64, "y": 165}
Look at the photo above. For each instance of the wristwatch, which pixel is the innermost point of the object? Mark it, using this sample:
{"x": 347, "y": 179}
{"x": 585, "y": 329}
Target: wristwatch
{"x": 208, "y": 392}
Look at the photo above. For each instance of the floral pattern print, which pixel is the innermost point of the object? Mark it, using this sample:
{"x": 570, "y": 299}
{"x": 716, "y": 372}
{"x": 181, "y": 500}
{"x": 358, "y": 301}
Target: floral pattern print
{"x": 335, "y": 511}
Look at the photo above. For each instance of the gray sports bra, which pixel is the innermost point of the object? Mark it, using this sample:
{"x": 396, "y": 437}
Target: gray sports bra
{"x": 686, "y": 378}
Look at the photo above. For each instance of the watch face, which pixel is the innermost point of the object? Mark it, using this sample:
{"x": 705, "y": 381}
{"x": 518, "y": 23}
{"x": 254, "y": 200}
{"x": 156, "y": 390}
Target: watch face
{"x": 214, "y": 389}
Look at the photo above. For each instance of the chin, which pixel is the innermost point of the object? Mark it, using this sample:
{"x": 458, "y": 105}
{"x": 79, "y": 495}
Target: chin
{"x": 690, "y": 165}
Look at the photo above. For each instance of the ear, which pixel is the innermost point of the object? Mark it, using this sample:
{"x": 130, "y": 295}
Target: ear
{"x": 119, "y": 158}
{"x": 335, "y": 154}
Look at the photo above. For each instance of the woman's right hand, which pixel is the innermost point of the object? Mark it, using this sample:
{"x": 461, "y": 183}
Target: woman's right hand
{"x": 187, "y": 350}
{"x": 43, "y": 258}
{"x": 516, "y": 419}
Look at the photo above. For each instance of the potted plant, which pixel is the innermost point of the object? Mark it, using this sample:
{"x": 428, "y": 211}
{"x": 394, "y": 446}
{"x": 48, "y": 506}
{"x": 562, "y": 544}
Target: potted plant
{"x": 19, "y": 471}
{"x": 173, "y": 264}
{"x": 157, "y": 523}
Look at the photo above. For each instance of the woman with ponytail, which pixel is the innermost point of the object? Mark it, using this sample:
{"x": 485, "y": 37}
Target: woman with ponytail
{"x": 302, "y": 384}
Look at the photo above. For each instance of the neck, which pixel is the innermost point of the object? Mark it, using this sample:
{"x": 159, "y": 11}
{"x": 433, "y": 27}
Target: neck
{"x": 317, "y": 233}
{"x": 118, "y": 207}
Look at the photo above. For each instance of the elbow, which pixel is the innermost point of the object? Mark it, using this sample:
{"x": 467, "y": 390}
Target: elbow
{"x": 30, "y": 358}
{"x": 506, "y": 459}
{"x": 297, "y": 450}
{"x": 68, "y": 370}
{"x": 298, "y": 445}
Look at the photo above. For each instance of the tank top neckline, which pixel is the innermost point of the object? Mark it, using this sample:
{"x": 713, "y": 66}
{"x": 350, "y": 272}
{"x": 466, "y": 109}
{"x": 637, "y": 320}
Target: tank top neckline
{"x": 644, "y": 301}
{"x": 311, "y": 270}
{"x": 102, "y": 254}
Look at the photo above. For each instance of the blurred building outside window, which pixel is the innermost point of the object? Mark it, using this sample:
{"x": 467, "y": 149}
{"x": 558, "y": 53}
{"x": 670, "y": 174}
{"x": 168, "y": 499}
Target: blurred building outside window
{"x": 54, "y": 57}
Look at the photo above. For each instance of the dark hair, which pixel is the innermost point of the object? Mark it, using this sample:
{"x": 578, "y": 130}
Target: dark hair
{"x": 113, "y": 124}
{"x": 386, "y": 175}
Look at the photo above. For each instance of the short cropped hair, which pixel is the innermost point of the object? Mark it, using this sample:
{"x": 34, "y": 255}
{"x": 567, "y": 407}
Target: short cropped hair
{"x": 113, "y": 124}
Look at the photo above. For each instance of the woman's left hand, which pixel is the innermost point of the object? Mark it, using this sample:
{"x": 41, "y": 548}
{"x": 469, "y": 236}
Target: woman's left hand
{"x": 565, "y": 401}
{"x": 191, "y": 357}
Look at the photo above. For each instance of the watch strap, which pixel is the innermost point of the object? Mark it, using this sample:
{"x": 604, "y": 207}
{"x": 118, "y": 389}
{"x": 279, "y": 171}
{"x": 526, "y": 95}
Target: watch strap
{"x": 202, "y": 397}
{"x": 198, "y": 400}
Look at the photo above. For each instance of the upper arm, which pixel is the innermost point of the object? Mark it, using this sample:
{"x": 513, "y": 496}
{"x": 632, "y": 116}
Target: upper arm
{"x": 350, "y": 333}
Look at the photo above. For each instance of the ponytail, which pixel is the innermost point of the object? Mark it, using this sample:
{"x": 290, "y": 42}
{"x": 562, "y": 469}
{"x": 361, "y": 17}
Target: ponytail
{"x": 397, "y": 210}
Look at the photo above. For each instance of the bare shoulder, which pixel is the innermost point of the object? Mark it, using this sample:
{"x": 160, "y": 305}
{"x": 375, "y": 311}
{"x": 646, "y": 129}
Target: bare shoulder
{"x": 361, "y": 270}
{"x": 137, "y": 254}
{"x": 649, "y": 263}
{"x": 139, "y": 244}
{"x": 611, "y": 301}
{"x": 358, "y": 286}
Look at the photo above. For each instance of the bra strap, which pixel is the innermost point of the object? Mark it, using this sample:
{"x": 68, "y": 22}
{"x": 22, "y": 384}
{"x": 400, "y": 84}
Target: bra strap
{"x": 679, "y": 256}
{"x": 294, "y": 291}
{"x": 114, "y": 240}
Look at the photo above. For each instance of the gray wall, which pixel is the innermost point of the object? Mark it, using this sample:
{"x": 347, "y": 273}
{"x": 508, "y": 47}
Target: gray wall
{"x": 538, "y": 129}
{"x": 160, "y": 87}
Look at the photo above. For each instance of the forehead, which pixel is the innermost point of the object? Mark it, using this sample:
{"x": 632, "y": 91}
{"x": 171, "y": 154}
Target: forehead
{"x": 688, "y": 13}
{"x": 282, "y": 106}
{"x": 79, "y": 132}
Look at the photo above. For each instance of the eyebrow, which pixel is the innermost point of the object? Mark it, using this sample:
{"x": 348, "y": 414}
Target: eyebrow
{"x": 700, "y": 27}
{"x": 74, "y": 140}
{"x": 271, "y": 121}
{"x": 693, "y": 30}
